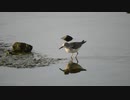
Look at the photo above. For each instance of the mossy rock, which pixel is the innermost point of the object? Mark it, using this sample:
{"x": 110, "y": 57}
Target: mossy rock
{"x": 19, "y": 58}
{"x": 20, "y": 47}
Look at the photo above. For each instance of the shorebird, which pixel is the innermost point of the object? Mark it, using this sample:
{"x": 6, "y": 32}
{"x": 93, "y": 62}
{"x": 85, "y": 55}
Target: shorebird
{"x": 72, "y": 47}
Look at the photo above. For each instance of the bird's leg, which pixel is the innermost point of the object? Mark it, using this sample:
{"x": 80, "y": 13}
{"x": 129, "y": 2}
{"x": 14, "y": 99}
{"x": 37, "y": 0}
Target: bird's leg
{"x": 76, "y": 58}
{"x": 76, "y": 55}
{"x": 72, "y": 57}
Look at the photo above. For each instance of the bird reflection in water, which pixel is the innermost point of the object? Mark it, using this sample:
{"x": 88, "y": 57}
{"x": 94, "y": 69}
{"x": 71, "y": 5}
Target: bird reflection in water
{"x": 72, "y": 67}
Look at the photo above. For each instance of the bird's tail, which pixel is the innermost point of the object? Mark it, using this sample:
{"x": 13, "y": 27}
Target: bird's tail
{"x": 83, "y": 42}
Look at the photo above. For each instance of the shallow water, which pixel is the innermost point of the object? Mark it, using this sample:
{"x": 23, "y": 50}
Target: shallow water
{"x": 106, "y": 54}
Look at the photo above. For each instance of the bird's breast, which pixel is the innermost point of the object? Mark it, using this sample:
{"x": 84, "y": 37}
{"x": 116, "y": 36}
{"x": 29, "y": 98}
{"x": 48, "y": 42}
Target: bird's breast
{"x": 71, "y": 50}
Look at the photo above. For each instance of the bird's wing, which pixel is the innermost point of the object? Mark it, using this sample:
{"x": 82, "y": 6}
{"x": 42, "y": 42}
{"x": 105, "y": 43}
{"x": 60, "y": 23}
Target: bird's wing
{"x": 75, "y": 45}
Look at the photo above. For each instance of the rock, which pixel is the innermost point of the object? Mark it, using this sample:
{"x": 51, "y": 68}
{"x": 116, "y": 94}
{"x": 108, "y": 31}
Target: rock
{"x": 29, "y": 60}
{"x": 20, "y": 47}
{"x": 67, "y": 38}
{"x": 72, "y": 67}
{"x": 10, "y": 58}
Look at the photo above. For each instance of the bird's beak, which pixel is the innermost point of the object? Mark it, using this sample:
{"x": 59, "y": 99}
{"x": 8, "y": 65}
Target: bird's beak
{"x": 61, "y": 47}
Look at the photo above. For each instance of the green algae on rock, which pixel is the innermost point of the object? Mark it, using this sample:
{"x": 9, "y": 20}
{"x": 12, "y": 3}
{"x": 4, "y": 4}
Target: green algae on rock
{"x": 20, "y": 47}
{"x": 22, "y": 59}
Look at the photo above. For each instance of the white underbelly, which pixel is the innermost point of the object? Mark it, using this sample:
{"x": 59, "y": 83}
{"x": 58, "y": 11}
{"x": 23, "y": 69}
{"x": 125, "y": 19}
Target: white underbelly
{"x": 71, "y": 50}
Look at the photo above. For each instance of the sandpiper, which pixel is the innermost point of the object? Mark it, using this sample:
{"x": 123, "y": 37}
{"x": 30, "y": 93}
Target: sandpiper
{"x": 72, "y": 47}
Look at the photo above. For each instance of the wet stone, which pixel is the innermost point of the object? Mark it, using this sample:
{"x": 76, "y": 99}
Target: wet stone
{"x": 67, "y": 38}
{"x": 27, "y": 60}
{"x": 20, "y": 47}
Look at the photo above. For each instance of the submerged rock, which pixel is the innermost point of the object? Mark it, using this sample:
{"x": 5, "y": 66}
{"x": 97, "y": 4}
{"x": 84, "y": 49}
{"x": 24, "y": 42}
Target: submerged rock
{"x": 27, "y": 61}
{"x": 4, "y": 47}
{"x": 24, "y": 60}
